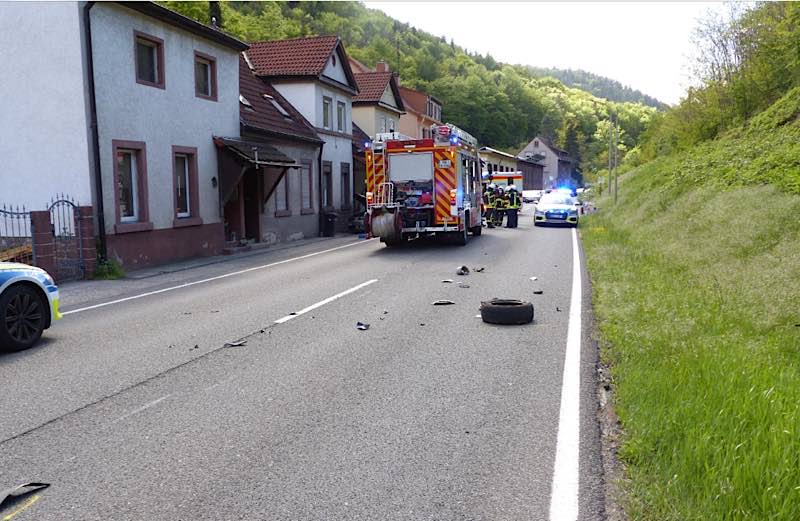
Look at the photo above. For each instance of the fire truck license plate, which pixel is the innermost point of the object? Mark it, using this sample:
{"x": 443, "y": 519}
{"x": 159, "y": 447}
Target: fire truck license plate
{"x": 444, "y": 163}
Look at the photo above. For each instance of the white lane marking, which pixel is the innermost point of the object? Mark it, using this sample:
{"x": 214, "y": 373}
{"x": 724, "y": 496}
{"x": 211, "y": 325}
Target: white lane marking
{"x": 564, "y": 498}
{"x": 323, "y": 302}
{"x": 203, "y": 281}
{"x": 140, "y": 409}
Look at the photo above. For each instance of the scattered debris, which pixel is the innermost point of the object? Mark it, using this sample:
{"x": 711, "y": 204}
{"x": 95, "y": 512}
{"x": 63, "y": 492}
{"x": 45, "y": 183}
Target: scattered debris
{"x": 235, "y": 344}
{"x": 447, "y": 281}
{"x": 463, "y": 270}
{"x": 558, "y": 308}
{"x": 187, "y": 312}
{"x": 422, "y": 323}
{"x": 20, "y": 491}
{"x": 262, "y": 331}
{"x": 465, "y": 286}
{"x": 385, "y": 311}
{"x": 293, "y": 313}
{"x": 480, "y": 270}
{"x": 443, "y": 303}
{"x": 170, "y": 346}
{"x": 215, "y": 311}
{"x": 537, "y": 292}
{"x": 534, "y": 278}
{"x": 555, "y": 265}
{"x": 362, "y": 326}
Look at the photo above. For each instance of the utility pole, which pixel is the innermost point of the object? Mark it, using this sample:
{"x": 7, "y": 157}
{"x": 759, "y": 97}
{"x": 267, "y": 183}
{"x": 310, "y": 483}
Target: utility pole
{"x": 616, "y": 151}
{"x": 610, "y": 141}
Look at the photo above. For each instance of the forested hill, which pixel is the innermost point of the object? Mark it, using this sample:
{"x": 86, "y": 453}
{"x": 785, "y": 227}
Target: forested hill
{"x": 504, "y": 106}
{"x": 599, "y": 86}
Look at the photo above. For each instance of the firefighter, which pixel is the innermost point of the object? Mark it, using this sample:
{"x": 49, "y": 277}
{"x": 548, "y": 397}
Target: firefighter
{"x": 500, "y": 203}
{"x": 512, "y": 211}
{"x": 489, "y": 199}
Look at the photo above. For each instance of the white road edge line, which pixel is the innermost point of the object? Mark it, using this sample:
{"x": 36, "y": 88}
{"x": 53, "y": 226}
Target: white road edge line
{"x": 566, "y": 478}
{"x": 140, "y": 409}
{"x": 323, "y": 302}
{"x": 203, "y": 281}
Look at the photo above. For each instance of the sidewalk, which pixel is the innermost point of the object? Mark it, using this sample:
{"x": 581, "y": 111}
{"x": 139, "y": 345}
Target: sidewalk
{"x": 81, "y": 293}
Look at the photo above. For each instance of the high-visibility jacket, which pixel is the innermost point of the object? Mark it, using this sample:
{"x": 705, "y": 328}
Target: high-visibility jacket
{"x": 501, "y": 202}
{"x": 513, "y": 200}
{"x": 489, "y": 199}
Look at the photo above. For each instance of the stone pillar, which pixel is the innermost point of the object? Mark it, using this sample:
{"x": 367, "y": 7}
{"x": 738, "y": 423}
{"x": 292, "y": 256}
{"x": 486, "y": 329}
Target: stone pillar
{"x": 88, "y": 245}
{"x": 43, "y": 242}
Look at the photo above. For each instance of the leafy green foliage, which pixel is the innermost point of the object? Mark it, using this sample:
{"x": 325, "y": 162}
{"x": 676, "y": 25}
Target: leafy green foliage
{"x": 504, "y": 106}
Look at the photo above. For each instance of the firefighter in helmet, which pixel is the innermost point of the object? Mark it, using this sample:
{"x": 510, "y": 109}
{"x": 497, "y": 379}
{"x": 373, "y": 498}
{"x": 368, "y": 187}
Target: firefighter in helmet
{"x": 512, "y": 210}
{"x": 500, "y": 203}
{"x": 489, "y": 199}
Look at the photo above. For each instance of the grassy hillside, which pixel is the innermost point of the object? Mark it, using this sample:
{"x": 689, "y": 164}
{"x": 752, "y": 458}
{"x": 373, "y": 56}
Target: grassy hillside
{"x": 696, "y": 274}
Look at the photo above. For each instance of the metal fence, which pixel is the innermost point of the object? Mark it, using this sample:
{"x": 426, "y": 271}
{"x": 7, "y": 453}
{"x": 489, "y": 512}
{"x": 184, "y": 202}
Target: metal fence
{"x": 67, "y": 252}
{"x": 16, "y": 244}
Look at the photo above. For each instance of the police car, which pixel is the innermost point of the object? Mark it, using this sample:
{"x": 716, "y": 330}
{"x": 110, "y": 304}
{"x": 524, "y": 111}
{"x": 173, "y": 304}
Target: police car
{"x": 28, "y": 305}
{"x": 557, "y": 207}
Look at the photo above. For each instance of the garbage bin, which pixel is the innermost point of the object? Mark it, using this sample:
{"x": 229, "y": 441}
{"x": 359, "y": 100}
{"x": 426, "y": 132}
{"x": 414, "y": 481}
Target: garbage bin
{"x": 329, "y": 229}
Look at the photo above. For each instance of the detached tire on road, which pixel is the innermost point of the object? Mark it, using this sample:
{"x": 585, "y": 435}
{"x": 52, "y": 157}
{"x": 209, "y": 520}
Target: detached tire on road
{"x": 506, "y": 312}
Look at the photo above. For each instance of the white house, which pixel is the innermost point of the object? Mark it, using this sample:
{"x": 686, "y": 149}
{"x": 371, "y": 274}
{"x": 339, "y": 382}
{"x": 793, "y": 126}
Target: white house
{"x": 159, "y": 85}
{"x": 44, "y": 134}
{"x": 314, "y": 75}
{"x": 558, "y": 165}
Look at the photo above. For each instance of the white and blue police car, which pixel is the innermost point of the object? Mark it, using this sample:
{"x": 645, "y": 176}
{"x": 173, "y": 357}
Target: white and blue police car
{"x": 28, "y": 305}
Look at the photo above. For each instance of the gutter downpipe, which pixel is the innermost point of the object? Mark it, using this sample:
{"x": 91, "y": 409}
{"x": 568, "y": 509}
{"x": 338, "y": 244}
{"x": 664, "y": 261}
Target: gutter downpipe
{"x": 98, "y": 181}
{"x": 321, "y": 218}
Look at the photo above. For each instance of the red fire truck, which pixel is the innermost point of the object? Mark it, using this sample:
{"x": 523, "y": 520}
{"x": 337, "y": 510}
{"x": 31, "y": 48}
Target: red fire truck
{"x": 423, "y": 187}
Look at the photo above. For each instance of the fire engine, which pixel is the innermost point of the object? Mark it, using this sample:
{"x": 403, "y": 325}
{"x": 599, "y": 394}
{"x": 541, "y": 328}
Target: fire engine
{"x": 423, "y": 187}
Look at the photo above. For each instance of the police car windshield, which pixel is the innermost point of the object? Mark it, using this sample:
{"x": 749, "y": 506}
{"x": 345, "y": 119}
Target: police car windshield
{"x": 557, "y": 198}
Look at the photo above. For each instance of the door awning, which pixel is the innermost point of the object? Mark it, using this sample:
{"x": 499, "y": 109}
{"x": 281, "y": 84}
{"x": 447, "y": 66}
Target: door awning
{"x": 256, "y": 153}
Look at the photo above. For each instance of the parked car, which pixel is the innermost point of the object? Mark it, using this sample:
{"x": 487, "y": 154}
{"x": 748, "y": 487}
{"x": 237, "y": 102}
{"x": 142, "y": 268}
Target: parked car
{"x": 557, "y": 207}
{"x": 531, "y": 196}
{"x": 28, "y": 305}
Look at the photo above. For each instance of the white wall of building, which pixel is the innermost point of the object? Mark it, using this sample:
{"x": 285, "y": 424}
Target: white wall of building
{"x": 334, "y": 70}
{"x": 550, "y": 162}
{"x": 161, "y": 118}
{"x": 43, "y": 133}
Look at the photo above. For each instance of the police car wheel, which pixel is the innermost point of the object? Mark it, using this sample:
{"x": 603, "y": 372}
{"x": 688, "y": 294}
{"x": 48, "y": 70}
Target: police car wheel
{"x": 22, "y": 318}
{"x": 506, "y": 312}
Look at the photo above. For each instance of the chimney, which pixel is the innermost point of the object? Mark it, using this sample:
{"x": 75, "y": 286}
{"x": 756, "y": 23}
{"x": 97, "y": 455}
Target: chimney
{"x": 381, "y": 66}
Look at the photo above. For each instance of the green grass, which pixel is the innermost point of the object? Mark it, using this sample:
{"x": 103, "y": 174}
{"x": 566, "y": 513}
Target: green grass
{"x": 108, "y": 269}
{"x": 696, "y": 279}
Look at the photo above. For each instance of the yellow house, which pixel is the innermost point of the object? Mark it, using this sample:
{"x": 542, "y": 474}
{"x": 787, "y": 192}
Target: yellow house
{"x": 378, "y": 105}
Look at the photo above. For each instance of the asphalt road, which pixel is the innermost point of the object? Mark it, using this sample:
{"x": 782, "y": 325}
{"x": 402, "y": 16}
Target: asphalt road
{"x": 136, "y": 410}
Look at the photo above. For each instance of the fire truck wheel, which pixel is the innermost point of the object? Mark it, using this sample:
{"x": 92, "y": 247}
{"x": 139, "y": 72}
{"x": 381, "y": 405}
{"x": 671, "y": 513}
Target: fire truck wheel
{"x": 462, "y": 237}
{"x": 506, "y": 312}
{"x": 393, "y": 243}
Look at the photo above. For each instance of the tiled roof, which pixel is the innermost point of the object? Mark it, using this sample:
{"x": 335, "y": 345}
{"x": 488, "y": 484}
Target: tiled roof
{"x": 264, "y": 114}
{"x": 371, "y": 85}
{"x": 296, "y": 57}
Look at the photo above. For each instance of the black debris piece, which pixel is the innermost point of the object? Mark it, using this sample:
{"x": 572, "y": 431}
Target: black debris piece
{"x": 443, "y": 303}
{"x": 362, "y": 326}
{"x": 537, "y": 292}
{"x": 196, "y": 346}
{"x": 465, "y": 286}
{"x": 463, "y": 270}
{"x": 558, "y": 308}
{"x": 447, "y": 281}
{"x": 187, "y": 312}
{"x": 19, "y": 491}
{"x": 235, "y": 344}
{"x": 422, "y": 323}
{"x": 215, "y": 311}
{"x": 480, "y": 270}
{"x": 385, "y": 311}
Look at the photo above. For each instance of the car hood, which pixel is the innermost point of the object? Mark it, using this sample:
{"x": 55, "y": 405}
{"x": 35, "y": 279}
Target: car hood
{"x": 554, "y": 207}
{"x": 18, "y": 266}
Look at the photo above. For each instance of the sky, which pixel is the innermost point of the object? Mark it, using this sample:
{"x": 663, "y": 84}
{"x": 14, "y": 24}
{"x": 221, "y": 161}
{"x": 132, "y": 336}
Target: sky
{"x": 644, "y": 45}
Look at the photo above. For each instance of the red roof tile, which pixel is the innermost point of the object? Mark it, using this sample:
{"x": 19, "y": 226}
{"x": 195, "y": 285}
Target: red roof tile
{"x": 296, "y": 57}
{"x": 264, "y": 114}
{"x": 371, "y": 85}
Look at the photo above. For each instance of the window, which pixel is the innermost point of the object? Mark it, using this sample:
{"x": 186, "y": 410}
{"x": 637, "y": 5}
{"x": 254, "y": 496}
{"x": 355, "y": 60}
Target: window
{"x": 149, "y": 58}
{"x": 130, "y": 190}
{"x": 127, "y": 185}
{"x": 340, "y": 123}
{"x": 390, "y": 125}
{"x": 306, "y": 192}
{"x": 277, "y": 106}
{"x": 326, "y": 112}
{"x": 536, "y": 143}
{"x": 345, "y": 171}
{"x": 205, "y": 76}
{"x": 182, "y": 207}
{"x": 185, "y": 187}
{"x": 327, "y": 183}
{"x": 383, "y": 124}
{"x": 282, "y": 197}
